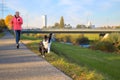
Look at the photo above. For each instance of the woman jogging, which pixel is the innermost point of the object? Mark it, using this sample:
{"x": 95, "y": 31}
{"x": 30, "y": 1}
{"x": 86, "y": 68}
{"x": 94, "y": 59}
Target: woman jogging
{"x": 16, "y": 26}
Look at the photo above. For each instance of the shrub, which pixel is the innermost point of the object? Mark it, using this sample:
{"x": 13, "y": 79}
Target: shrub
{"x": 114, "y": 37}
{"x": 105, "y": 46}
{"x": 84, "y": 40}
{"x": 1, "y": 30}
{"x": 37, "y": 35}
{"x": 63, "y": 38}
{"x": 58, "y": 37}
{"x": 75, "y": 39}
{"x": 67, "y": 38}
{"x": 32, "y": 35}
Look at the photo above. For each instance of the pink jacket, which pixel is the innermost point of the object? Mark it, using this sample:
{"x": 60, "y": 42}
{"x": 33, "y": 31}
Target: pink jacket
{"x": 16, "y": 23}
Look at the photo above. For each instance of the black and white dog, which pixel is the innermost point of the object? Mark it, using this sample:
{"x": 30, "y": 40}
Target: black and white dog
{"x": 42, "y": 49}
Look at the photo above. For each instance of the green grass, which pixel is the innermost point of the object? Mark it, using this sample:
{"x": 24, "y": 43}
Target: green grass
{"x": 81, "y": 63}
{"x": 92, "y": 36}
{"x": 27, "y": 37}
{"x": 75, "y": 71}
{"x": 1, "y": 34}
{"x": 106, "y": 63}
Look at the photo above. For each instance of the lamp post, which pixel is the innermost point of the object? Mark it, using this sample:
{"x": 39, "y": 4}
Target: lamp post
{"x": 3, "y": 8}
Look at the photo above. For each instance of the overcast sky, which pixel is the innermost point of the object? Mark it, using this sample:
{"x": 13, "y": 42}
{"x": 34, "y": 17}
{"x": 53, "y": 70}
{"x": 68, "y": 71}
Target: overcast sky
{"x": 99, "y": 12}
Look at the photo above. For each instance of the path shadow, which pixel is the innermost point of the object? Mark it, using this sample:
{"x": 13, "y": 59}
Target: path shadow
{"x": 19, "y": 59}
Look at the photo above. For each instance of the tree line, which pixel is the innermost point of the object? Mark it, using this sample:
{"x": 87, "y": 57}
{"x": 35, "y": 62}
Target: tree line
{"x": 5, "y": 23}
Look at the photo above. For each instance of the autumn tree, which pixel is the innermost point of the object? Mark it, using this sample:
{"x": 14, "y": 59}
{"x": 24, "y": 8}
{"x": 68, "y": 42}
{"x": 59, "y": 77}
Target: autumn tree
{"x": 2, "y": 24}
{"x": 56, "y": 25}
{"x": 8, "y": 20}
{"x": 61, "y": 22}
{"x": 79, "y": 26}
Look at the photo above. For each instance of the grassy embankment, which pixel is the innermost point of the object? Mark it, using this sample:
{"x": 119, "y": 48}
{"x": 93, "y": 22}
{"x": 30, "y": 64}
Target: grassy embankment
{"x": 1, "y": 34}
{"x": 107, "y": 63}
{"x": 80, "y": 63}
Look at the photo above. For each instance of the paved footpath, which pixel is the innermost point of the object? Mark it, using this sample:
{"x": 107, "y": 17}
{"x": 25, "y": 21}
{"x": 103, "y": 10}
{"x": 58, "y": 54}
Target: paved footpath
{"x": 22, "y": 64}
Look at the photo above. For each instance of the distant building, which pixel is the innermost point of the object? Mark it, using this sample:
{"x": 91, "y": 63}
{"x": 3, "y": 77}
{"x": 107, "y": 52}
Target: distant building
{"x": 90, "y": 25}
{"x": 44, "y": 21}
{"x": 68, "y": 26}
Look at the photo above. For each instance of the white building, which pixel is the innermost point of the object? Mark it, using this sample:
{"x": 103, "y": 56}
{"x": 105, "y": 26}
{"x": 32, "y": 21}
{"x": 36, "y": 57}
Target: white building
{"x": 90, "y": 25}
{"x": 44, "y": 21}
